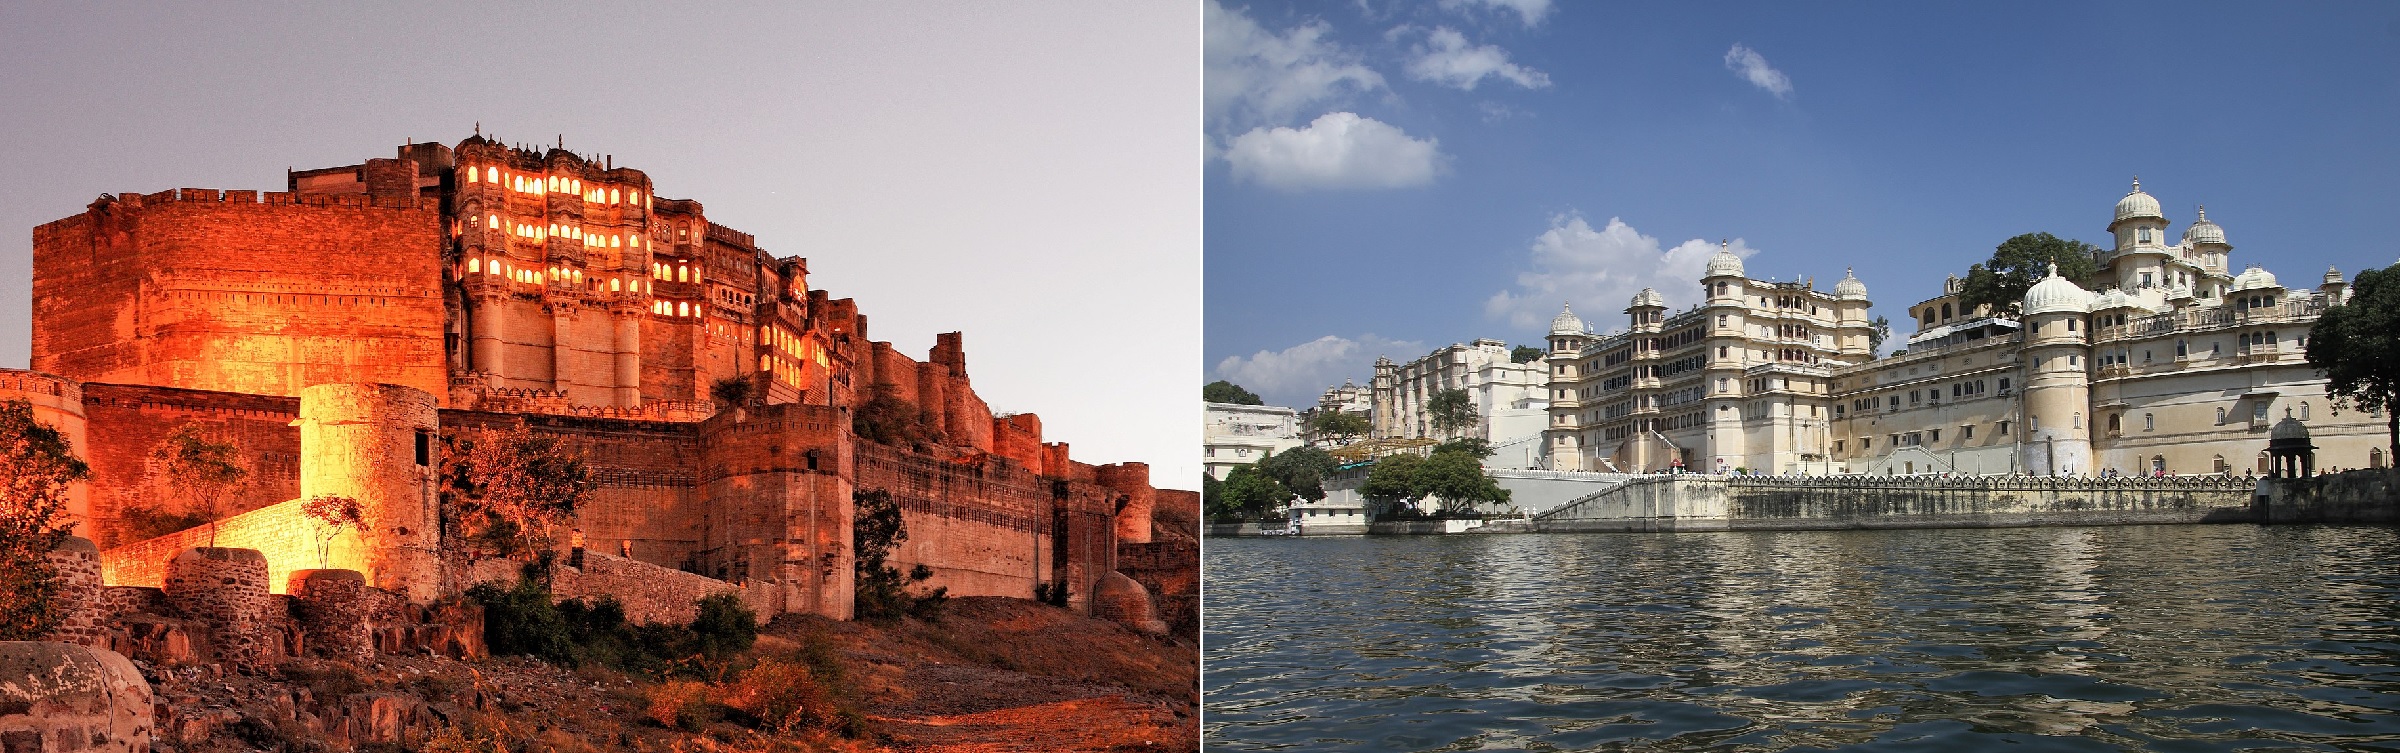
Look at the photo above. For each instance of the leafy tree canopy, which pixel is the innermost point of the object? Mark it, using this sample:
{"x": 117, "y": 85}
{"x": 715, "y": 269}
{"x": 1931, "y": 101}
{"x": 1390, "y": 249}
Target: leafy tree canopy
{"x": 1250, "y": 493}
{"x": 1342, "y": 424}
{"x": 2020, "y": 262}
{"x": 36, "y": 466}
{"x": 1222, "y": 391}
{"x": 2357, "y": 347}
{"x": 1301, "y": 471}
{"x": 1881, "y": 333}
{"x": 1475, "y": 447}
{"x": 881, "y": 590}
{"x": 1392, "y": 479}
{"x": 515, "y": 485}
{"x": 1524, "y": 354}
{"x": 1452, "y": 411}
{"x": 1459, "y": 480}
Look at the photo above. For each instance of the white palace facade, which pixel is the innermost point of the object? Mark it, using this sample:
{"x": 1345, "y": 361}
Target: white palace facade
{"x": 2164, "y": 360}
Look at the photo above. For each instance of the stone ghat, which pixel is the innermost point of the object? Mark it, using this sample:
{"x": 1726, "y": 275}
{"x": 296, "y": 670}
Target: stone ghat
{"x": 1736, "y": 503}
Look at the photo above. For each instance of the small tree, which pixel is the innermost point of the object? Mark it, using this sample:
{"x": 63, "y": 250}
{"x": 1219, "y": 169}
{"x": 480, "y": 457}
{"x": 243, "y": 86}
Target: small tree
{"x": 1524, "y": 354}
{"x": 36, "y": 468}
{"x": 516, "y": 487}
{"x": 1250, "y": 493}
{"x": 2018, "y": 263}
{"x": 1475, "y": 447}
{"x": 1457, "y": 478}
{"x": 202, "y": 472}
{"x": 2356, "y": 346}
{"x": 731, "y": 392}
{"x": 1452, "y": 411}
{"x": 1881, "y": 333}
{"x": 881, "y": 592}
{"x": 886, "y": 418}
{"x": 1392, "y": 481}
{"x": 1342, "y": 424}
{"x": 1300, "y": 470}
{"x": 332, "y": 514}
{"x": 1222, "y": 391}
{"x": 1212, "y": 498}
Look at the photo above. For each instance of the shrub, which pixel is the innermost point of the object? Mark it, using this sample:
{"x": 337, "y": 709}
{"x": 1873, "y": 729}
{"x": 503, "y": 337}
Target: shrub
{"x": 724, "y": 627}
{"x": 881, "y": 590}
{"x": 521, "y": 620}
{"x": 783, "y": 697}
{"x": 679, "y": 704}
{"x": 36, "y": 467}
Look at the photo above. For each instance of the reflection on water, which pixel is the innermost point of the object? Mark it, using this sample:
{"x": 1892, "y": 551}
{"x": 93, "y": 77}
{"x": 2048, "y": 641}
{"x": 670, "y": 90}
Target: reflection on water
{"x": 2228, "y": 637}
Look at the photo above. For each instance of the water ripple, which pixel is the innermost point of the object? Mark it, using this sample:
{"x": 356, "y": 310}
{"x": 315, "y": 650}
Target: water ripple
{"x": 2151, "y": 637}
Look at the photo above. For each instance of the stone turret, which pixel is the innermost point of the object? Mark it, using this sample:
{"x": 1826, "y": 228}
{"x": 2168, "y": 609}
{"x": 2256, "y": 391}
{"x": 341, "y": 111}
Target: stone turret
{"x": 375, "y": 443}
{"x": 2057, "y": 389}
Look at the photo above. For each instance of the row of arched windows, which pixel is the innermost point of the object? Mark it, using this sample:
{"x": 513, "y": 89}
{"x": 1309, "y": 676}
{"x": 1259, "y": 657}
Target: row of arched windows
{"x": 543, "y": 184}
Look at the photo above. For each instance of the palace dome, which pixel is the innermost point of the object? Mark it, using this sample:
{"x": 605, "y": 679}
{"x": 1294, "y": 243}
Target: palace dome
{"x": 2138, "y": 204}
{"x": 1649, "y": 298}
{"x": 2055, "y": 294}
{"x": 1850, "y": 288}
{"x": 2203, "y": 231}
{"x": 2288, "y": 428}
{"x": 2255, "y": 278}
{"x": 1566, "y": 323}
{"x": 1724, "y": 264}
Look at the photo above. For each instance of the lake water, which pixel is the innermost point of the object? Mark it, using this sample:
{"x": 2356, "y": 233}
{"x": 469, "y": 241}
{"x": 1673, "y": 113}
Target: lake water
{"x": 2183, "y": 638}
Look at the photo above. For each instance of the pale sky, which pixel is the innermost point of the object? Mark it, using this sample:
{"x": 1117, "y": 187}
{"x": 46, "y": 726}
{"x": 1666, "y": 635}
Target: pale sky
{"x": 1026, "y": 172}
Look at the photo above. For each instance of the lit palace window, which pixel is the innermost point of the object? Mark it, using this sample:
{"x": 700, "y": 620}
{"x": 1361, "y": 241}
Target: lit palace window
{"x": 475, "y": 265}
{"x": 613, "y": 196}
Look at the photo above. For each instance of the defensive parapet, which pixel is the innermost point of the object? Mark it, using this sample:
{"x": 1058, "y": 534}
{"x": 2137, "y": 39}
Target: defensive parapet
{"x": 1720, "y": 503}
{"x": 375, "y": 443}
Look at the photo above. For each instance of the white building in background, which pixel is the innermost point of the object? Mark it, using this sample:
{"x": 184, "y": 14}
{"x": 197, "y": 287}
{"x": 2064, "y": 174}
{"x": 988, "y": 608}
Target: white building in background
{"x": 1237, "y": 435}
{"x": 1511, "y": 398}
{"x": 2164, "y": 360}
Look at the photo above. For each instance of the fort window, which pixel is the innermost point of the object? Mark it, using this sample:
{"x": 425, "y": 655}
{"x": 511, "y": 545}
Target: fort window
{"x": 2303, "y": 410}
{"x": 491, "y": 175}
{"x": 615, "y": 284}
{"x": 518, "y": 184}
{"x": 2003, "y": 428}
{"x": 2078, "y": 420}
{"x": 2222, "y": 466}
{"x": 2263, "y": 462}
{"x": 2374, "y": 457}
{"x": 2149, "y": 422}
{"x": 474, "y": 265}
{"x": 424, "y": 448}
{"x": 614, "y": 197}
{"x": 2220, "y": 416}
{"x": 1966, "y": 432}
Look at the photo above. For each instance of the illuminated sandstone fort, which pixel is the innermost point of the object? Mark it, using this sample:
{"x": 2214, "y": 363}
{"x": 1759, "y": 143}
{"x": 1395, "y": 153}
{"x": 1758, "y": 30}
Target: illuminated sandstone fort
{"x": 337, "y": 331}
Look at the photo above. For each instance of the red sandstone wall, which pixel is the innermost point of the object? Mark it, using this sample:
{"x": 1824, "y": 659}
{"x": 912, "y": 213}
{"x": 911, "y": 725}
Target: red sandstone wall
{"x": 649, "y": 592}
{"x": 647, "y": 496}
{"x": 203, "y": 290}
{"x": 127, "y": 423}
{"x": 779, "y": 520}
{"x": 1018, "y": 438}
{"x": 278, "y": 531}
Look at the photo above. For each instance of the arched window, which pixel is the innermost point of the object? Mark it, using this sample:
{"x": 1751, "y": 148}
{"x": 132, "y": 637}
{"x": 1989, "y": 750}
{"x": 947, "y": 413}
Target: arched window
{"x": 2116, "y": 422}
{"x": 2266, "y": 463}
{"x": 615, "y": 284}
{"x": 518, "y": 183}
{"x": 2222, "y": 466}
{"x": 2149, "y": 422}
{"x": 614, "y": 197}
{"x": 475, "y": 265}
{"x": 2079, "y": 420}
{"x": 683, "y": 309}
{"x": 2303, "y": 410}
{"x": 2220, "y": 415}
{"x": 683, "y": 274}
{"x": 2375, "y": 457}
{"x": 1945, "y": 311}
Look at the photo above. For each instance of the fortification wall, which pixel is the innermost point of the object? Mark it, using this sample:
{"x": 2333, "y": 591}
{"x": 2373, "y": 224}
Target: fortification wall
{"x": 131, "y": 422}
{"x": 779, "y": 519}
{"x": 1171, "y": 572}
{"x": 2367, "y": 495}
{"x": 1713, "y": 503}
{"x": 279, "y": 532}
{"x": 648, "y": 502}
{"x": 242, "y": 292}
{"x": 649, "y": 593}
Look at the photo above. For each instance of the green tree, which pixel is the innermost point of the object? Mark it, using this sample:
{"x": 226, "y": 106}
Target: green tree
{"x": 1212, "y": 498}
{"x": 1222, "y": 391}
{"x": 1881, "y": 332}
{"x": 1342, "y": 424}
{"x": 881, "y": 592}
{"x": 36, "y": 467}
{"x": 1249, "y": 493}
{"x": 1392, "y": 480}
{"x": 2356, "y": 346}
{"x": 1452, "y": 411}
{"x": 1458, "y": 480}
{"x": 1525, "y": 354}
{"x": 202, "y": 472}
{"x": 2020, "y": 262}
{"x": 1477, "y": 447}
{"x": 1300, "y": 470}
{"x": 513, "y": 487}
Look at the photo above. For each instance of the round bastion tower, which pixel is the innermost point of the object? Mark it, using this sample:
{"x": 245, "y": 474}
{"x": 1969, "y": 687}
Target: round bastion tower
{"x": 375, "y": 443}
{"x": 2057, "y": 391}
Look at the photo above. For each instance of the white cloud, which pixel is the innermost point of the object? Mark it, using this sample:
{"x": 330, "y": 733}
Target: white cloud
{"x": 1253, "y": 76}
{"x": 1599, "y": 271}
{"x": 1449, "y": 59}
{"x": 1752, "y": 67}
{"x": 1531, "y": 11}
{"x": 1294, "y": 377}
{"x": 1339, "y": 150}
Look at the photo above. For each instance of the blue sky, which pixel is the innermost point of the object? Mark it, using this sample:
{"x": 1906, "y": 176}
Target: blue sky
{"x": 1387, "y": 178}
